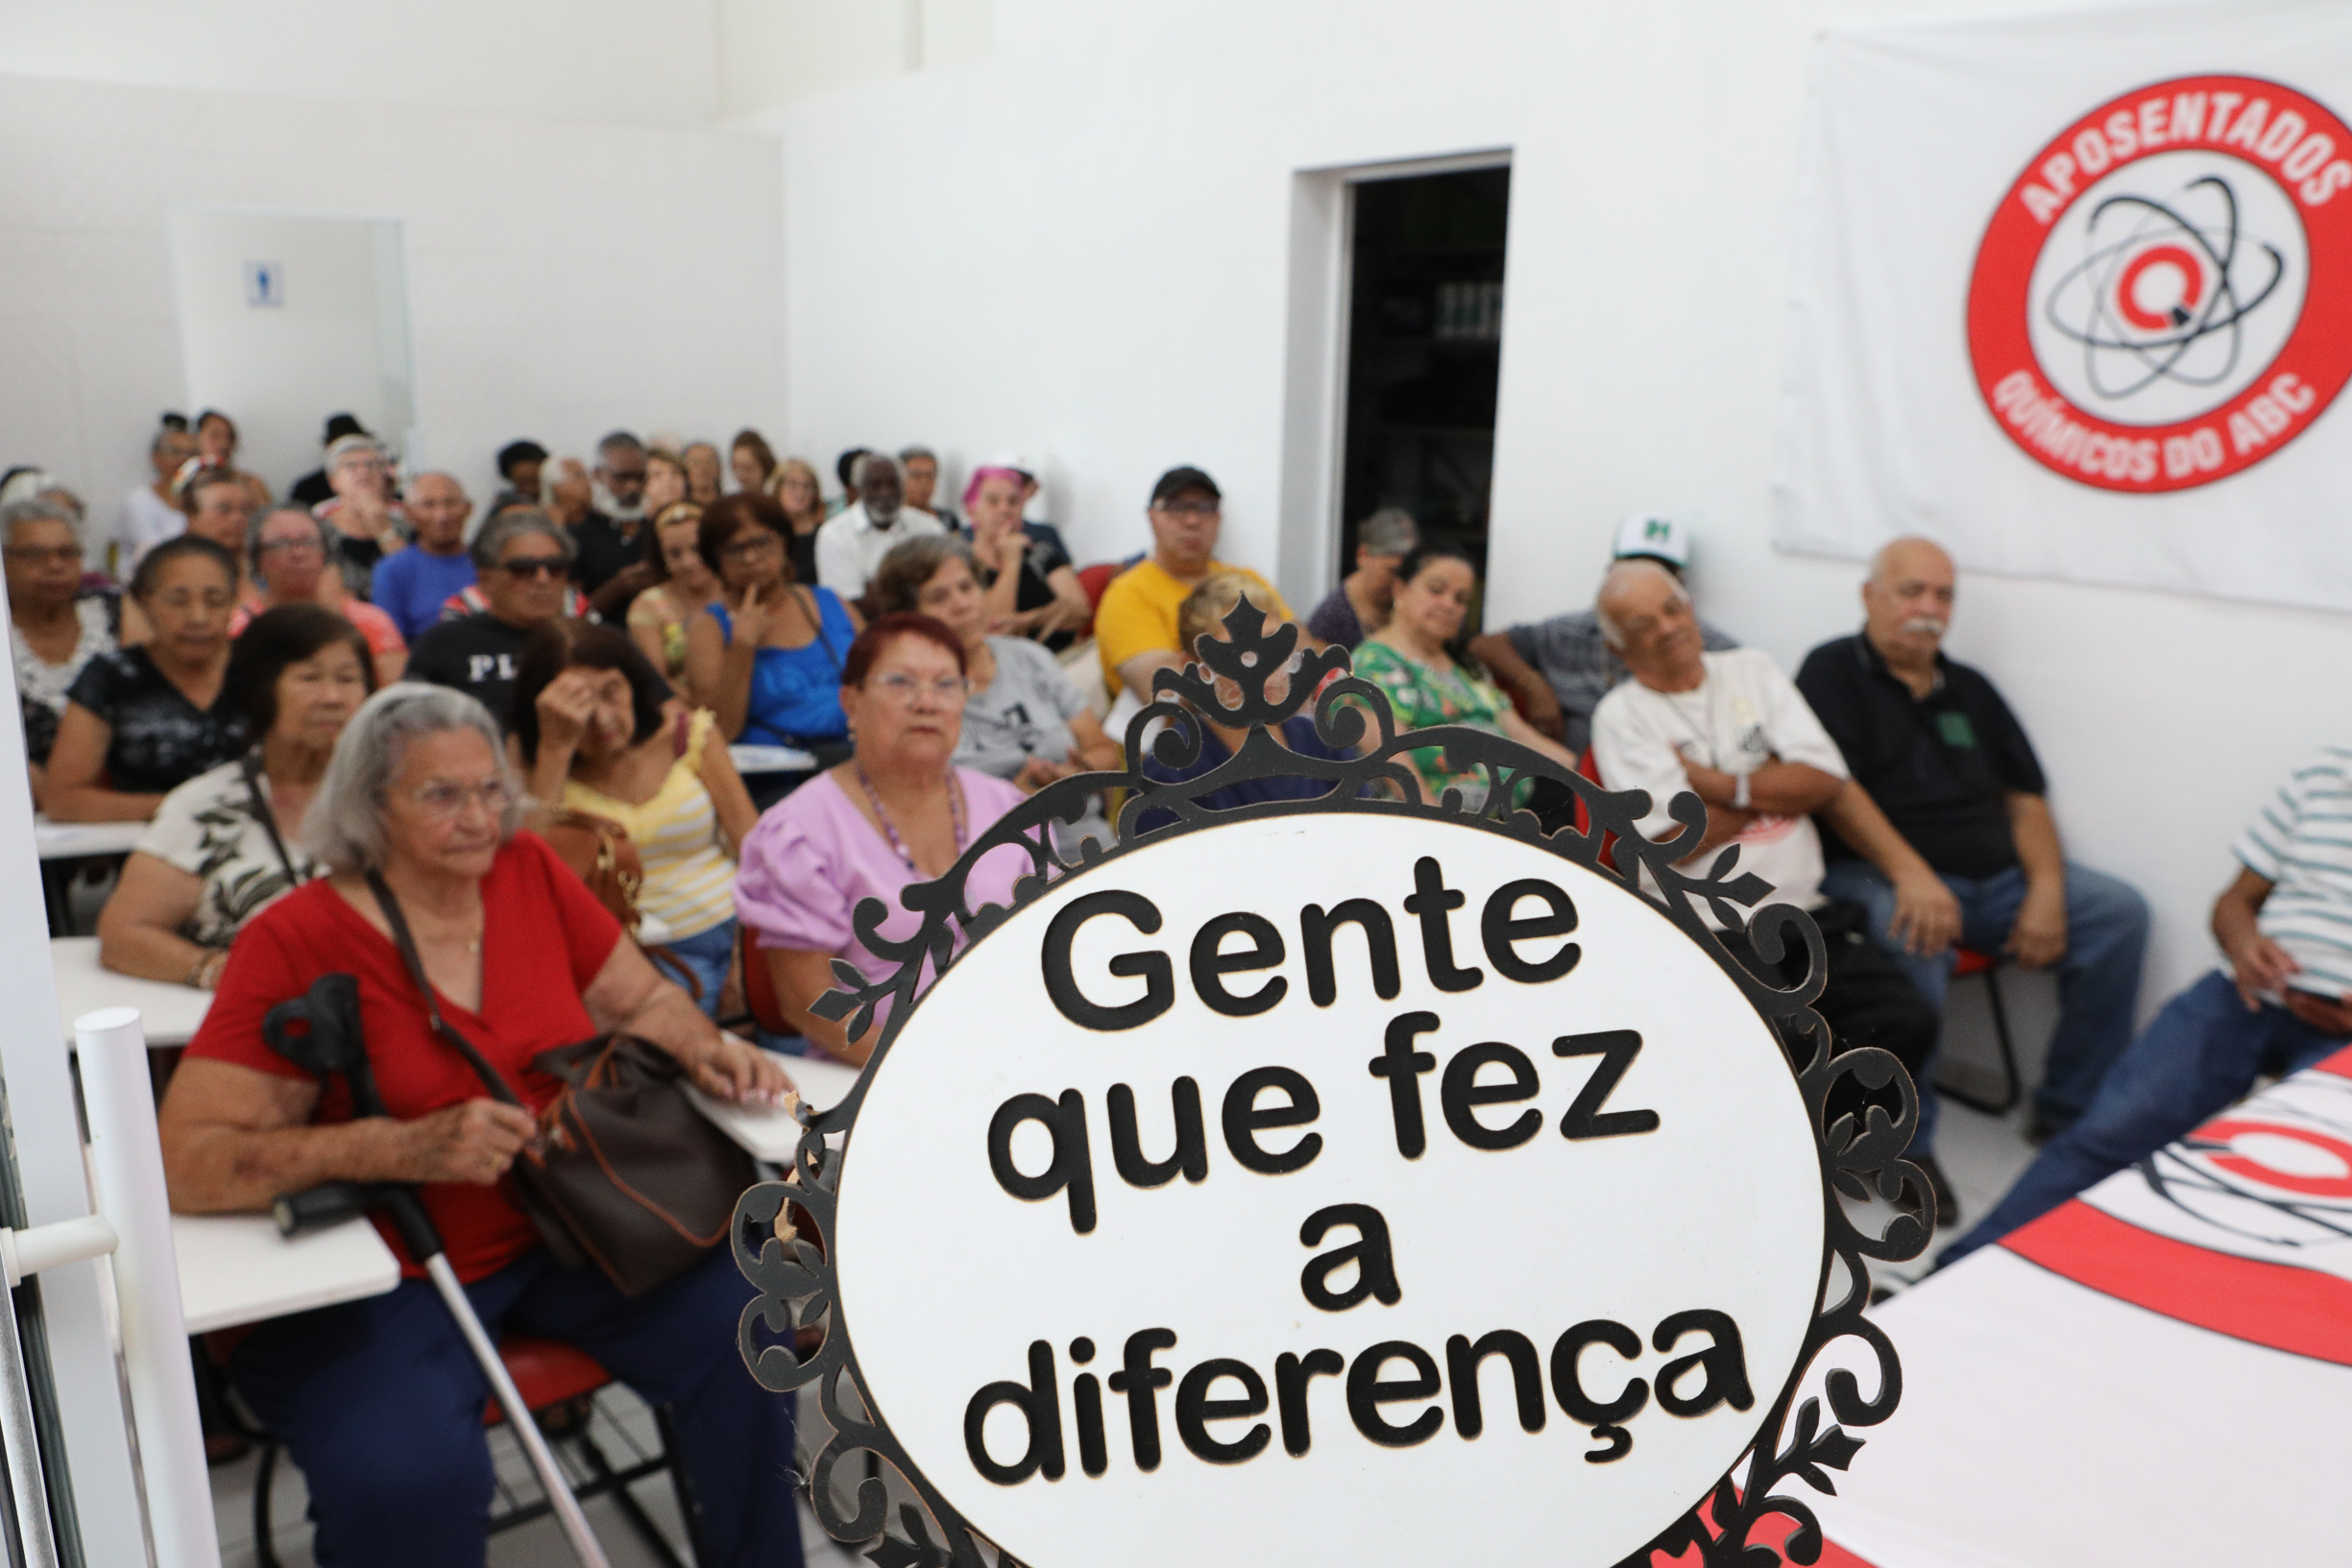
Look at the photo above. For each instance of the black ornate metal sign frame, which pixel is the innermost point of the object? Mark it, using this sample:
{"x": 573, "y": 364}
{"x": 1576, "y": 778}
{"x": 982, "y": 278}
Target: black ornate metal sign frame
{"x": 1859, "y": 1159}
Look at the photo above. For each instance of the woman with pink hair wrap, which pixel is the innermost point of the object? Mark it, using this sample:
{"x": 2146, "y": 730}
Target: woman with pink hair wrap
{"x": 1032, "y": 590}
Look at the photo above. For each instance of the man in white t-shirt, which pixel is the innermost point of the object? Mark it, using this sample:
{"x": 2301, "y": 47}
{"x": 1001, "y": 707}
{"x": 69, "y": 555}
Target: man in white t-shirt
{"x": 1731, "y": 728}
{"x": 852, "y": 543}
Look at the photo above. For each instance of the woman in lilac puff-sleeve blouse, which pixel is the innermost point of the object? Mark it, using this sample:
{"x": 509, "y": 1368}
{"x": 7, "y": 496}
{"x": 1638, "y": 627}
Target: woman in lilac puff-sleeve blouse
{"x": 897, "y": 812}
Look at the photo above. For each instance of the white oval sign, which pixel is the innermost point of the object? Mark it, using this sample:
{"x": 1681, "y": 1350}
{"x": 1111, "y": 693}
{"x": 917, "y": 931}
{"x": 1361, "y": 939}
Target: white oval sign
{"x": 1330, "y": 1188}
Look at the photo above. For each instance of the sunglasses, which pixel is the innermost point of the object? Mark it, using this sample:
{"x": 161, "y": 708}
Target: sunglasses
{"x": 534, "y": 565}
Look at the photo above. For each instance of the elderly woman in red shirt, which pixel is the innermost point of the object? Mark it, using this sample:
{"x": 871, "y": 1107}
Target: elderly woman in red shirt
{"x": 378, "y": 1400}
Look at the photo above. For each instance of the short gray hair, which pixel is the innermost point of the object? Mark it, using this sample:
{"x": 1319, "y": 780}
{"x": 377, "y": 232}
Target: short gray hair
{"x": 1618, "y": 570}
{"x": 345, "y": 826}
{"x": 39, "y": 508}
{"x": 1388, "y": 531}
{"x": 907, "y": 455}
{"x": 262, "y": 519}
{"x": 514, "y": 524}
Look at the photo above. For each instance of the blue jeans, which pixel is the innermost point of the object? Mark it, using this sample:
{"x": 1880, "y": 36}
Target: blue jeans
{"x": 381, "y": 1403}
{"x": 707, "y": 955}
{"x": 2098, "y": 977}
{"x": 2200, "y": 1055}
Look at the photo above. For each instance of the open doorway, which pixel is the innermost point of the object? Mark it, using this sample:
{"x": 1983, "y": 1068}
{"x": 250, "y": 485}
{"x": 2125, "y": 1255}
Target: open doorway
{"x": 288, "y": 317}
{"x": 1424, "y": 337}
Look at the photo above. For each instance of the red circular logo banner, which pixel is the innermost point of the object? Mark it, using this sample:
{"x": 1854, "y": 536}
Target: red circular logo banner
{"x": 2164, "y": 297}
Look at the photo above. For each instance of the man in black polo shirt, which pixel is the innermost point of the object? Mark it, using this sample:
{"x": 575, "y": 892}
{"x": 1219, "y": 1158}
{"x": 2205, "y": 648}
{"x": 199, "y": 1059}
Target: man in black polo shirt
{"x": 1967, "y": 850}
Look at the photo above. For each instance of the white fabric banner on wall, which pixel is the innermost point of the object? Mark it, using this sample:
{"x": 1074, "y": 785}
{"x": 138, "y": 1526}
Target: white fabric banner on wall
{"x": 2073, "y": 295}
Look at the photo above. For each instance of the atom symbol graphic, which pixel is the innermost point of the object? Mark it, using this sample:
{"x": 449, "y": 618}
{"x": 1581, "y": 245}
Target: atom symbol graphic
{"x": 2160, "y": 295}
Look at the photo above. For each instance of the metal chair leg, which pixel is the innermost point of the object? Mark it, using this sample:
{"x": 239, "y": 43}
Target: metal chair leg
{"x": 265, "y": 1548}
{"x": 2012, "y": 1086}
{"x": 612, "y": 1486}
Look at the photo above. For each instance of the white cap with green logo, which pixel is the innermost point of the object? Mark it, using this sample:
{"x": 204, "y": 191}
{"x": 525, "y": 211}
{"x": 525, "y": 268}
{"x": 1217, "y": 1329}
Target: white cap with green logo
{"x": 1661, "y": 539}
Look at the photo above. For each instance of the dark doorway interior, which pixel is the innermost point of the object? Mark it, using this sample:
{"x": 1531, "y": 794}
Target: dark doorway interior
{"x": 1424, "y": 351}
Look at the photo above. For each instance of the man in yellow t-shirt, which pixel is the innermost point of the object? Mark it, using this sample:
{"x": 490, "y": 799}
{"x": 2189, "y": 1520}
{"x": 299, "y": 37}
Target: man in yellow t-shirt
{"x": 1136, "y": 625}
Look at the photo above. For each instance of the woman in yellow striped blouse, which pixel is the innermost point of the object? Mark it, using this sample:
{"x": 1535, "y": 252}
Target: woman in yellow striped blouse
{"x": 597, "y": 732}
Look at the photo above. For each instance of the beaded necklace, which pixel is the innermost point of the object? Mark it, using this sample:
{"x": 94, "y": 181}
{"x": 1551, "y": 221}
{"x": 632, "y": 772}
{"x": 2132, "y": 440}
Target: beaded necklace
{"x": 889, "y": 829}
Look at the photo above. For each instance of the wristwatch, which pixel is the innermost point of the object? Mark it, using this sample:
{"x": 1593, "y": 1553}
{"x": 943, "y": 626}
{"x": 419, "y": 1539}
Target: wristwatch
{"x": 1739, "y": 792}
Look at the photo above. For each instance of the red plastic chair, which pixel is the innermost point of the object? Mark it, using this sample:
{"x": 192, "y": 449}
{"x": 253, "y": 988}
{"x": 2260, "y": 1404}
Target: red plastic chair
{"x": 1974, "y": 962}
{"x": 1591, "y": 769}
{"x": 1094, "y": 580}
{"x": 759, "y": 985}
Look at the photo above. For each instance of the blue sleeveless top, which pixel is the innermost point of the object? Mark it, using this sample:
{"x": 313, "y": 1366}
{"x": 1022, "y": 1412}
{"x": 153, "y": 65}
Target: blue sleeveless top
{"x": 796, "y": 692}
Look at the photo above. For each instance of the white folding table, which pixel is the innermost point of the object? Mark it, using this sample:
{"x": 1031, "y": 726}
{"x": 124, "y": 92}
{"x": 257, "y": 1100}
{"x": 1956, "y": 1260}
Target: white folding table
{"x": 170, "y": 1013}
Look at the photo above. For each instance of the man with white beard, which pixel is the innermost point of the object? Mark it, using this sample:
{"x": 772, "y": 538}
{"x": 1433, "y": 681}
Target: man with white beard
{"x": 1966, "y": 849}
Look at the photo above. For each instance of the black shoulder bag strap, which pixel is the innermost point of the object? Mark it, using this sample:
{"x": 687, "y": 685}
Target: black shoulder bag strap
{"x": 251, "y": 766}
{"x": 407, "y": 945}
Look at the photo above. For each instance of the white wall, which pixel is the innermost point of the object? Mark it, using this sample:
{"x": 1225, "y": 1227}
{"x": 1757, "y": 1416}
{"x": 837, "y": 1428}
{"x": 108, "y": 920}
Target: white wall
{"x": 650, "y": 61}
{"x": 1101, "y": 278}
{"x": 563, "y": 278}
{"x": 773, "y": 51}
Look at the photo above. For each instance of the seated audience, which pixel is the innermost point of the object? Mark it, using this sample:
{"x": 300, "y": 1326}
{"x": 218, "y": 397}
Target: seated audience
{"x": 315, "y": 487}
{"x": 219, "y": 506}
{"x": 682, "y": 583}
{"x": 56, "y": 627}
{"x": 151, "y": 513}
{"x": 2278, "y": 1003}
{"x": 1024, "y": 719}
{"x": 620, "y": 474}
{"x": 845, "y": 470}
{"x": 139, "y": 722}
{"x": 524, "y": 562}
{"x": 1136, "y": 625}
{"x": 796, "y": 489}
{"x": 288, "y": 555}
{"x": 228, "y": 842}
{"x": 896, "y": 813}
{"x": 767, "y": 654}
{"x": 378, "y": 1400}
{"x": 216, "y": 447}
{"x": 610, "y": 546}
{"x": 1359, "y": 605}
{"x": 1034, "y": 592}
{"x": 519, "y": 464}
{"x": 364, "y": 521}
{"x": 850, "y": 546}
{"x": 1970, "y": 852}
{"x": 1732, "y": 729}
{"x": 752, "y": 461}
{"x": 598, "y": 733}
{"x": 919, "y": 469}
{"x": 1204, "y": 615}
{"x": 411, "y": 585}
{"x": 1557, "y": 670}
{"x": 1417, "y": 659}
{"x": 703, "y": 471}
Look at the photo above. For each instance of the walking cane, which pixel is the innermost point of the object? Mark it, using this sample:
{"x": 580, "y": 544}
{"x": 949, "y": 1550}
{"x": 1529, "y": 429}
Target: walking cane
{"x": 319, "y": 1032}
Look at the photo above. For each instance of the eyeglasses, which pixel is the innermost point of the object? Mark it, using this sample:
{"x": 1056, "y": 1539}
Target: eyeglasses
{"x": 444, "y": 801}
{"x": 269, "y": 545}
{"x": 902, "y": 687}
{"x": 42, "y": 555}
{"x": 1191, "y": 509}
{"x": 534, "y": 565}
{"x": 744, "y": 550}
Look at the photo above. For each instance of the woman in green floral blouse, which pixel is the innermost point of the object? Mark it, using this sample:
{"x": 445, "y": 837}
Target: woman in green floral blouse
{"x": 1417, "y": 659}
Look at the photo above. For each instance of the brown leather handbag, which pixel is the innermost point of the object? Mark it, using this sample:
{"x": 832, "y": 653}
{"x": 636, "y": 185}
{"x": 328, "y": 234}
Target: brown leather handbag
{"x": 625, "y": 1173}
{"x": 602, "y": 855}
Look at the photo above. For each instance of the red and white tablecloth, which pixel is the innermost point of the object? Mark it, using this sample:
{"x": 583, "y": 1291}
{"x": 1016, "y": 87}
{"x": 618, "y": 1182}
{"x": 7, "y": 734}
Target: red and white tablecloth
{"x": 2157, "y": 1373}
